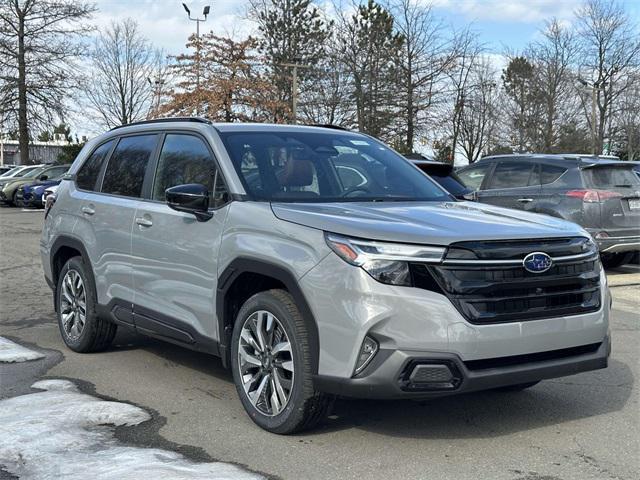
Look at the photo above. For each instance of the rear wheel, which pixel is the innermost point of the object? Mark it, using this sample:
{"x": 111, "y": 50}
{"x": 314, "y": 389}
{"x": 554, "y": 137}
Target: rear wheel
{"x": 81, "y": 328}
{"x": 271, "y": 363}
{"x": 613, "y": 260}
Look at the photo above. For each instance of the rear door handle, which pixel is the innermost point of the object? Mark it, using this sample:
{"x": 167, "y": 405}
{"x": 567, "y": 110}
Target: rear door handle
{"x": 88, "y": 210}
{"x": 143, "y": 222}
{"x": 525, "y": 200}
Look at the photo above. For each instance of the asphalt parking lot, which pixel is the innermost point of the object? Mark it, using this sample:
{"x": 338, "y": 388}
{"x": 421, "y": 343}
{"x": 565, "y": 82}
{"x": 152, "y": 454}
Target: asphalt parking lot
{"x": 580, "y": 427}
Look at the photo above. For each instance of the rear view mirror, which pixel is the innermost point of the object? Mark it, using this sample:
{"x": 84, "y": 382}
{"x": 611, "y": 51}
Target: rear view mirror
{"x": 190, "y": 198}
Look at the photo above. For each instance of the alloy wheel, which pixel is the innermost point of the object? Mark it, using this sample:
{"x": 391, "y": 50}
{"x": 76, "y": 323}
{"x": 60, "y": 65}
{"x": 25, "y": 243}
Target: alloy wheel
{"x": 73, "y": 305}
{"x": 265, "y": 362}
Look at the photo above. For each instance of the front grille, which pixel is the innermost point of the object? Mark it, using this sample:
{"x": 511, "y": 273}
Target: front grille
{"x": 495, "y": 289}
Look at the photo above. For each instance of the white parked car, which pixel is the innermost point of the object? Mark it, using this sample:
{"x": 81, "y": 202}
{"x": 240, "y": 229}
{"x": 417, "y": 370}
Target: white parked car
{"x": 48, "y": 191}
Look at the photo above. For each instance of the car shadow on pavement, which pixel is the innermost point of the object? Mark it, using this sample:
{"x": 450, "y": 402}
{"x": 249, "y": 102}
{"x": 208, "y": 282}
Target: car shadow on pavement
{"x": 490, "y": 413}
{"x": 481, "y": 414}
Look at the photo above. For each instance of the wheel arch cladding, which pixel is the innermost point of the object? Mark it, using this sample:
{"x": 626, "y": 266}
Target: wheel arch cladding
{"x": 62, "y": 250}
{"x": 245, "y": 277}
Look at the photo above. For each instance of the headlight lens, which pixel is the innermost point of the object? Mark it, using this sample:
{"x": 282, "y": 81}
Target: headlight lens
{"x": 384, "y": 261}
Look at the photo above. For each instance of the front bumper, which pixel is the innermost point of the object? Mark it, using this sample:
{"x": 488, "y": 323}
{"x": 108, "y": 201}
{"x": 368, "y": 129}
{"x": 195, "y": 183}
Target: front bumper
{"x": 619, "y": 244}
{"x": 389, "y": 376}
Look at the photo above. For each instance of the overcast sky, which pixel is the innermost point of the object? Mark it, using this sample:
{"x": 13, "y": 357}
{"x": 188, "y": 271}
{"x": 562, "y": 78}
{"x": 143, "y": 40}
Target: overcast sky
{"x": 500, "y": 23}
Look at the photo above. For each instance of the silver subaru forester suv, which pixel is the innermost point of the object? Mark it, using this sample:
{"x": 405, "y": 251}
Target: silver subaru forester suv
{"x": 315, "y": 262}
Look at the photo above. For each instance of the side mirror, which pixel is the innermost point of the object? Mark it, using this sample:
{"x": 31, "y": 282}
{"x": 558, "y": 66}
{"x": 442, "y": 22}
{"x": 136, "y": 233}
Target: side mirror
{"x": 191, "y": 198}
{"x": 43, "y": 177}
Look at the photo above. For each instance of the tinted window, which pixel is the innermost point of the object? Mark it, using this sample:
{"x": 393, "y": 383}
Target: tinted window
{"x": 550, "y": 173}
{"x": 473, "y": 176}
{"x": 87, "y": 176}
{"x": 511, "y": 174}
{"x": 299, "y": 165}
{"x": 186, "y": 159}
{"x": 55, "y": 173}
{"x": 125, "y": 171}
{"x": 451, "y": 183}
{"x": 607, "y": 177}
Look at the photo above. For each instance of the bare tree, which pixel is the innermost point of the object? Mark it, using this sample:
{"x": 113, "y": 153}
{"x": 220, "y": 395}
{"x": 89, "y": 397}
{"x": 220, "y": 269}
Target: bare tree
{"x": 460, "y": 79}
{"x": 38, "y": 48}
{"x": 553, "y": 59}
{"x": 123, "y": 61}
{"x": 478, "y": 118}
{"x": 427, "y": 54}
{"x": 610, "y": 49}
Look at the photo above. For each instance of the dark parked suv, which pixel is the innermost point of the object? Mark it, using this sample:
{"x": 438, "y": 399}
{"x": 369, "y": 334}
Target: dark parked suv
{"x": 601, "y": 195}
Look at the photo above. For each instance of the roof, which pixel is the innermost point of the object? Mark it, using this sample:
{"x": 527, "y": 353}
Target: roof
{"x": 235, "y": 127}
{"x": 584, "y": 159}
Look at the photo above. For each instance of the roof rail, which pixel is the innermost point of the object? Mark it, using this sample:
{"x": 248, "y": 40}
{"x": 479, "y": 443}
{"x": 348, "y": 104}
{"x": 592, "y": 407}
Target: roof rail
{"x": 328, "y": 125}
{"x": 165, "y": 120}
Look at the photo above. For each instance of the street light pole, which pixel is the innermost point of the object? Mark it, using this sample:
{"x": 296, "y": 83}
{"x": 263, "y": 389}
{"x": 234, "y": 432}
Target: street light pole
{"x": 594, "y": 100}
{"x": 205, "y": 12}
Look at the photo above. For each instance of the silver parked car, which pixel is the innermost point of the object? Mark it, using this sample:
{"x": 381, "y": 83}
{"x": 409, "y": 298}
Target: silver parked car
{"x": 246, "y": 242}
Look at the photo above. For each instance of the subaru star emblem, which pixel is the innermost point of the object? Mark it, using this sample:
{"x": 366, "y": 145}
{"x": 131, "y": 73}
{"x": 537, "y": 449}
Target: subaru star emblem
{"x": 537, "y": 262}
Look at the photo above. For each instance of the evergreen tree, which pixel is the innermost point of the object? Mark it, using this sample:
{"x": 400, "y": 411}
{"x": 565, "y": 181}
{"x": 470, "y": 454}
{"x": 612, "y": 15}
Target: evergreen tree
{"x": 372, "y": 49}
{"x": 291, "y": 32}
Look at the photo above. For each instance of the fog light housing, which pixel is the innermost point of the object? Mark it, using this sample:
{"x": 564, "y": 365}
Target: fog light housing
{"x": 368, "y": 350}
{"x": 602, "y": 235}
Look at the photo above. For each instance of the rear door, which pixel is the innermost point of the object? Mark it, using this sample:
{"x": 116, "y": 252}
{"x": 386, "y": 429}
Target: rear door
{"x": 513, "y": 184}
{"x": 618, "y": 189}
{"x": 108, "y": 215}
{"x": 175, "y": 257}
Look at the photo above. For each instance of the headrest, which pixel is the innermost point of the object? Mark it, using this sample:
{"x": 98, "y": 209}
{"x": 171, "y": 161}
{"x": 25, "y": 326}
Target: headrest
{"x": 296, "y": 173}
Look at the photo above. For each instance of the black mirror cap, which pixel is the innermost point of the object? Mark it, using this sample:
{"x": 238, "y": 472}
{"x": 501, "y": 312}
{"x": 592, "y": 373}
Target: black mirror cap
{"x": 190, "y": 198}
{"x": 43, "y": 177}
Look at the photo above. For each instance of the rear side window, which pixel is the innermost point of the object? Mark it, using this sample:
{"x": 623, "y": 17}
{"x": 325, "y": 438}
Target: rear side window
{"x": 87, "y": 176}
{"x": 186, "y": 159}
{"x": 450, "y": 183}
{"x": 511, "y": 175}
{"x": 607, "y": 177}
{"x": 550, "y": 173}
{"x": 473, "y": 176}
{"x": 125, "y": 172}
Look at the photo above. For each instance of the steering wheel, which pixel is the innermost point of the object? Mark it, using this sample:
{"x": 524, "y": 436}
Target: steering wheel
{"x": 351, "y": 191}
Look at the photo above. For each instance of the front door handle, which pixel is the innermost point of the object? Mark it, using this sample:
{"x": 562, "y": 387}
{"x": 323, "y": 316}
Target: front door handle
{"x": 143, "y": 222}
{"x": 88, "y": 210}
{"x": 525, "y": 200}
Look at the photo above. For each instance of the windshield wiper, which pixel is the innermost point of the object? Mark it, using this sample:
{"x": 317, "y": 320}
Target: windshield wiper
{"x": 625, "y": 186}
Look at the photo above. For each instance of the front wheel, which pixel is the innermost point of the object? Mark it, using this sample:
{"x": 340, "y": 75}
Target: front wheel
{"x": 271, "y": 363}
{"x": 613, "y": 260}
{"x": 81, "y": 328}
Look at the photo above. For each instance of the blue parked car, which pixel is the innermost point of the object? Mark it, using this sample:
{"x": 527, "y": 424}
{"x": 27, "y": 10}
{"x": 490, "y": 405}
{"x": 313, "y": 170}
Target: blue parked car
{"x": 30, "y": 195}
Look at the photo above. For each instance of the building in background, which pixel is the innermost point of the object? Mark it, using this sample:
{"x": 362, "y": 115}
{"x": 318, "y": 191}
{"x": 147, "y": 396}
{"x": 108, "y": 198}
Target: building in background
{"x": 39, "y": 152}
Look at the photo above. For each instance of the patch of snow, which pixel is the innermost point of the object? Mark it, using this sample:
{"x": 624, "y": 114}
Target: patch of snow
{"x": 61, "y": 433}
{"x": 12, "y": 352}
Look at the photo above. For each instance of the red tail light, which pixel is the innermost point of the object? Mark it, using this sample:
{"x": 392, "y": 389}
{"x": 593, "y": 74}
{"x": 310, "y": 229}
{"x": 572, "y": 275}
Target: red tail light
{"x": 593, "y": 196}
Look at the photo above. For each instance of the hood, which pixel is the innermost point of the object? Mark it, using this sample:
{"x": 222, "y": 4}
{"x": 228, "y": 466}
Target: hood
{"x": 41, "y": 185}
{"x": 436, "y": 223}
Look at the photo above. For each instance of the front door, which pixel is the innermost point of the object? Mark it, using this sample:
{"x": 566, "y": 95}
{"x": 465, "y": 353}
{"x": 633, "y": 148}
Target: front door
{"x": 174, "y": 255}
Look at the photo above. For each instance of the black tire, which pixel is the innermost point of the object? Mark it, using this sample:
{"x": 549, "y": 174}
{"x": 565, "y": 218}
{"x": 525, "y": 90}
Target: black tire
{"x": 613, "y": 260}
{"x": 517, "y": 388}
{"x": 14, "y": 199}
{"x": 97, "y": 333}
{"x": 305, "y": 407}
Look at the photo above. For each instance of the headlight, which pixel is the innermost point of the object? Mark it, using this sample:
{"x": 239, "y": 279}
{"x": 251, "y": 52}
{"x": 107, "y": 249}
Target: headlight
{"x": 386, "y": 262}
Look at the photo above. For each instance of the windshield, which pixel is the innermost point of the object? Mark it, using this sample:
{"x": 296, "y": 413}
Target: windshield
{"x": 607, "y": 177}
{"x": 10, "y": 172}
{"x": 325, "y": 167}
